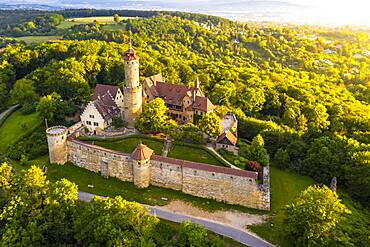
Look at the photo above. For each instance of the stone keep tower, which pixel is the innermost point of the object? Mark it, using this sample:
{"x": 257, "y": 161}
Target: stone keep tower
{"x": 133, "y": 90}
{"x": 141, "y": 165}
{"x": 57, "y": 144}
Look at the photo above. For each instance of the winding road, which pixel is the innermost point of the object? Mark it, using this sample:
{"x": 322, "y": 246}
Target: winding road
{"x": 6, "y": 111}
{"x": 238, "y": 235}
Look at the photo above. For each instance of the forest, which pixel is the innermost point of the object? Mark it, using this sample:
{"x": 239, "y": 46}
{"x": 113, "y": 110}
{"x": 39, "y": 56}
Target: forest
{"x": 305, "y": 90}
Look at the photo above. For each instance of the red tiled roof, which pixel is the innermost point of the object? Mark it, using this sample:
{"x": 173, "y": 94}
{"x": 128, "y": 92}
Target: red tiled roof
{"x": 106, "y": 106}
{"x": 173, "y": 93}
{"x": 229, "y": 136}
{"x": 202, "y": 104}
{"x": 206, "y": 167}
{"x": 142, "y": 152}
{"x": 130, "y": 55}
{"x": 102, "y": 89}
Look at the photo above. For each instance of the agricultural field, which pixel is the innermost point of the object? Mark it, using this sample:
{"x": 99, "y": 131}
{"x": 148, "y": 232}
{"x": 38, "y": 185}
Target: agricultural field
{"x": 99, "y": 19}
{"x": 34, "y": 40}
{"x": 68, "y": 24}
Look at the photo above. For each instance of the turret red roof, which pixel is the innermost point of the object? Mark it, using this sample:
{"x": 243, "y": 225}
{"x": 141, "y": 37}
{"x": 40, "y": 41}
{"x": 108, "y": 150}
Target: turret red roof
{"x": 142, "y": 152}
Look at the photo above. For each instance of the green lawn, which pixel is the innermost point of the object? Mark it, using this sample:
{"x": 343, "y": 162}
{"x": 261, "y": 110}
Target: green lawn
{"x": 285, "y": 187}
{"x": 195, "y": 154}
{"x": 128, "y": 145}
{"x": 34, "y": 40}
{"x": 15, "y": 127}
{"x": 178, "y": 151}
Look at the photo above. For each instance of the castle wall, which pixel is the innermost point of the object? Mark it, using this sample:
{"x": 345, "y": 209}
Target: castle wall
{"x": 219, "y": 183}
{"x": 223, "y": 187}
{"x": 96, "y": 159}
{"x": 164, "y": 173}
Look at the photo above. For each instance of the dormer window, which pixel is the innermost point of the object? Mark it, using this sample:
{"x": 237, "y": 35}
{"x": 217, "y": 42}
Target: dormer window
{"x": 92, "y": 116}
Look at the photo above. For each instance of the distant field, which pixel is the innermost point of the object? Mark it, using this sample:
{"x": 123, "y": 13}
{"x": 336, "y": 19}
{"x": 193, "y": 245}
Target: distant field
{"x": 34, "y": 40}
{"x": 100, "y": 19}
{"x": 69, "y": 24}
{"x": 113, "y": 27}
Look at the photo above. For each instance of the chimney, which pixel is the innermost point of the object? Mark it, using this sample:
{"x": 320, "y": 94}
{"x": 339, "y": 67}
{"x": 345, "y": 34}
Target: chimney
{"x": 155, "y": 80}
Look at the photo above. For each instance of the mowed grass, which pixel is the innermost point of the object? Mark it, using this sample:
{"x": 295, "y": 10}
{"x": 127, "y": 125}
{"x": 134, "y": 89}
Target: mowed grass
{"x": 34, "y": 40}
{"x": 177, "y": 151}
{"x": 113, "y": 187}
{"x": 128, "y": 145}
{"x": 15, "y": 127}
{"x": 285, "y": 187}
{"x": 194, "y": 154}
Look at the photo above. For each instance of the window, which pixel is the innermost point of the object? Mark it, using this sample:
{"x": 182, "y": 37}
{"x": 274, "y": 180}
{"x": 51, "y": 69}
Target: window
{"x": 96, "y": 124}
{"x": 88, "y": 122}
{"x": 92, "y": 116}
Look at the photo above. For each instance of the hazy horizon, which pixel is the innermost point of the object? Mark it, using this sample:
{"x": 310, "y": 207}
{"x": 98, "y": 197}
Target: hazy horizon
{"x": 324, "y": 12}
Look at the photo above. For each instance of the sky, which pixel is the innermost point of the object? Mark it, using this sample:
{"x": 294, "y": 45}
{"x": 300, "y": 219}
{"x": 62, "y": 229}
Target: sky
{"x": 346, "y": 11}
{"x": 330, "y": 11}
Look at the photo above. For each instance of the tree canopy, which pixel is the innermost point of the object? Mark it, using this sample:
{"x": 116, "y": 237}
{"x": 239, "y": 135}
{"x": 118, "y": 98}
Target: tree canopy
{"x": 313, "y": 216}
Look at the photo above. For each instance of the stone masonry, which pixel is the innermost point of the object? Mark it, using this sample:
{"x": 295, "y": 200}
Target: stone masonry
{"x": 144, "y": 168}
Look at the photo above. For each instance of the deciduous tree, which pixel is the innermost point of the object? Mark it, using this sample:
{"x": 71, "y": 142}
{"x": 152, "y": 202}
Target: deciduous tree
{"x": 310, "y": 219}
{"x": 210, "y": 124}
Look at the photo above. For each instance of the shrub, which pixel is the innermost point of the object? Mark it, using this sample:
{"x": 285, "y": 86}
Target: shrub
{"x": 253, "y": 166}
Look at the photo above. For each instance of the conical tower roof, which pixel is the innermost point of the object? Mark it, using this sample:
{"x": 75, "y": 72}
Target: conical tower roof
{"x": 142, "y": 152}
{"x": 130, "y": 55}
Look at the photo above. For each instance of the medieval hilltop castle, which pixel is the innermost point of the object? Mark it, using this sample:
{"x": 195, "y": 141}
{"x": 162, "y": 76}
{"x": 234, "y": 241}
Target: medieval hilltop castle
{"x": 143, "y": 167}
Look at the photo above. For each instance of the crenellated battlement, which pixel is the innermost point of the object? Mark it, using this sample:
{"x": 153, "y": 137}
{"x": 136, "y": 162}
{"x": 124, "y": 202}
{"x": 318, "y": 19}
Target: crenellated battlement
{"x": 56, "y": 131}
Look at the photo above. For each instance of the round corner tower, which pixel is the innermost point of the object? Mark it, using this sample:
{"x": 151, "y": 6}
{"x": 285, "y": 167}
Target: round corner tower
{"x": 132, "y": 90}
{"x": 141, "y": 165}
{"x": 57, "y": 144}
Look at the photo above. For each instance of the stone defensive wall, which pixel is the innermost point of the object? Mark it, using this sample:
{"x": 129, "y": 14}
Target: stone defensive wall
{"x": 223, "y": 184}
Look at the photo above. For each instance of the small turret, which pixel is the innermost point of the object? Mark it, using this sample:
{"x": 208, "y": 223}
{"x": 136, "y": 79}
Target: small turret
{"x": 57, "y": 144}
{"x": 141, "y": 165}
